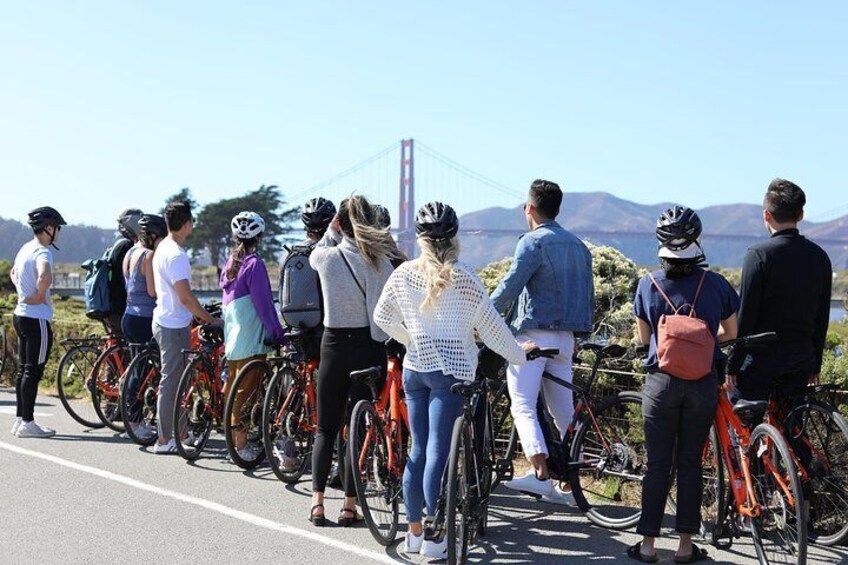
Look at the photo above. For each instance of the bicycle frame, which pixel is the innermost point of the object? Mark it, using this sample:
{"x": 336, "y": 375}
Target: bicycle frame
{"x": 211, "y": 359}
{"x": 392, "y": 408}
{"x": 304, "y": 384}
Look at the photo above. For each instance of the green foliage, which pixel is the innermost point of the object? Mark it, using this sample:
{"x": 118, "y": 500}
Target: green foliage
{"x": 5, "y": 280}
{"x": 181, "y": 194}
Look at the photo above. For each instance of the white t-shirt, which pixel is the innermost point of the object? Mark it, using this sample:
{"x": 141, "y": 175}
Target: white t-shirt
{"x": 26, "y": 280}
{"x": 170, "y": 264}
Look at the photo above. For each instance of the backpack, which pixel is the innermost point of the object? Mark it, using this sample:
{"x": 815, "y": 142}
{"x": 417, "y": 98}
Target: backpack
{"x": 685, "y": 344}
{"x": 301, "y": 304}
{"x": 96, "y": 290}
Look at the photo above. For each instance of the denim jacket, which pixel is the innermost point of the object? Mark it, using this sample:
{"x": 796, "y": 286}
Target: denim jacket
{"x": 551, "y": 277}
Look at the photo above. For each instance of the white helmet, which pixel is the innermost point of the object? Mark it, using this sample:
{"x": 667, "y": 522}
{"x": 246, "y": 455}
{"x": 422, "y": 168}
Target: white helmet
{"x": 247, "y": 225}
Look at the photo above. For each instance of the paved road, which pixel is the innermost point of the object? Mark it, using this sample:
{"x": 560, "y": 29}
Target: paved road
{"x": 91, "y": 497}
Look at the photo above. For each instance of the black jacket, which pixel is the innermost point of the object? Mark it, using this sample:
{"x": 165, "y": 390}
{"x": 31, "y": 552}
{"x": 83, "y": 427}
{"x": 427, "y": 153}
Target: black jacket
{"x": 117, "y": 286}
{"x": 786, "y": 287}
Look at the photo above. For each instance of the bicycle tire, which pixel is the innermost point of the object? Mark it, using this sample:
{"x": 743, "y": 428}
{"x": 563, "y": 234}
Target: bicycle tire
{"x": 368, "y": 451}
{"x": 828, "y": 489}
{"x": 146, "y": 365}
{"x": 458, "y": 494}
{"x": 766, "y": 439}
{"x": 194, "y": 417}
{"x": 106, "y": 376}
{"x": 273, "y": 431}
{"x": 624, "y": 459}
{"x": 71, "y": 377}
{"x": 249, "y": 415}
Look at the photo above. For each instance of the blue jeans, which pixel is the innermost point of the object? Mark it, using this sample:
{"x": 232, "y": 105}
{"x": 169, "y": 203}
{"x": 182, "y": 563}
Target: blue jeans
{"x": 433, "y": 409}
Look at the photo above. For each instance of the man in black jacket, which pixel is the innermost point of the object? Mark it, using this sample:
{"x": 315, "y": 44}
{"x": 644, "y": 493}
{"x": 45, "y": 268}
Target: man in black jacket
{"x": 786, "y": 286}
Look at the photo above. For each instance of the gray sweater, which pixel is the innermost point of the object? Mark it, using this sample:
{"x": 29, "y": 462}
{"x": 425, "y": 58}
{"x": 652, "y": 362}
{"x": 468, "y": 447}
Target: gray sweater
{"x": 344, "y": 305}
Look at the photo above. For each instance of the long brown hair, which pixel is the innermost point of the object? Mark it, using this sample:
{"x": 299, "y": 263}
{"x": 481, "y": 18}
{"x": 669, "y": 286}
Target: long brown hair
{"x": 358, "y": 221}
{"x": 241, "y": 249}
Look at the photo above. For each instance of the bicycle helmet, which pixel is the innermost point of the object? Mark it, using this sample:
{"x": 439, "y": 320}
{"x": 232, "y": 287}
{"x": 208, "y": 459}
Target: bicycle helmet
{"x": 678, "y": 233}
{"x": 151, "y": 228}
{"x": 45, "y": 216}
{"x": 128, "y": 222}
{"x": 317, "y": 214}
{"x": 382, "y": 217}
{"x": 247, "y": 225}
{"x": 436, "y": 221}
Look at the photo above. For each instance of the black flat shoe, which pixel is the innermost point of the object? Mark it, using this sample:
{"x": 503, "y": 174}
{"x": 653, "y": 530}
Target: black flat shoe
{"x": 348, "y": 521}
{"x": 318, "y": 520}
{"x": 635, "y": 552}
{"x": 697, "y": 555}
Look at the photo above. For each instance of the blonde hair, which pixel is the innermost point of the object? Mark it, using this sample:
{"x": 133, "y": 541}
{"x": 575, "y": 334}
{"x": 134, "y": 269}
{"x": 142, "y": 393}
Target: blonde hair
{"x": 356, "y": 216}
{"x": 436, "y": 263}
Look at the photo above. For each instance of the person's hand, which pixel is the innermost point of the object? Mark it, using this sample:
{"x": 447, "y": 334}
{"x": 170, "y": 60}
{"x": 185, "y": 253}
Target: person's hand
{"x": 336, "y": 224}
{"x": 217, "y": 322}
{"x": 34, "y": 299}
{"x": 528, "y": 345}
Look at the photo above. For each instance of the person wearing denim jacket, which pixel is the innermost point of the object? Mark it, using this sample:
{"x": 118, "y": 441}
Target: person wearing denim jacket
{"x": 551, "y": 280}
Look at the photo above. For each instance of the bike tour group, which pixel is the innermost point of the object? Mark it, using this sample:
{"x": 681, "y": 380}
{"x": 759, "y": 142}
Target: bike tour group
{"x": 402, "y": 381}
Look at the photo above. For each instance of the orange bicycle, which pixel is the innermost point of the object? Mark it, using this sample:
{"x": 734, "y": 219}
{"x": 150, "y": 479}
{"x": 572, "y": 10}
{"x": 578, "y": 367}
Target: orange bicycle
{"x": 378, "y": 446}
{"x": 105, "y": 381}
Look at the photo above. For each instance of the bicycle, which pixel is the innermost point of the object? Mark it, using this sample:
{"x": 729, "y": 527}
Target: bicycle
{"x": 139, "y": 394}
{"x": 200, "y": 394}
{"x": 378, "y": 445}
{"x": 73, "y": 385}
{"x": 763, "y": 493}
{"x": 106, "y": 378}
{"x": 289, "y": 411}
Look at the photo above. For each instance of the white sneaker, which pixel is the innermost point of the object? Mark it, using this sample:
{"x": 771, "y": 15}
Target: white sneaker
{"x": 143, "y": 430}
{"x": 412, "y": 544}
{"x": 17, "y": 424}
{"x": 249, "y": 452}
{"x": 31, "y": 429}
{"x": 165, "y": 449}
{"x": 560, "y": 497}
{"x": 529, "y": 484}
{"x": 435, "y": 549}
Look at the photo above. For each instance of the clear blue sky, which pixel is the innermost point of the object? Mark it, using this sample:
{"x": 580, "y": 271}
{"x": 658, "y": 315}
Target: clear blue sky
{"x": 109, "y": 104}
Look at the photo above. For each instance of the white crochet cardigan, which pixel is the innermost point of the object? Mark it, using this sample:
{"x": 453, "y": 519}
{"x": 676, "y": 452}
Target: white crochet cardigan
{"x": 442, "y": 337}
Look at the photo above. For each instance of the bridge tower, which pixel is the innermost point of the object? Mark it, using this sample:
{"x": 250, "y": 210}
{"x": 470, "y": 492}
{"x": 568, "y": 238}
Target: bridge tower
{"x": 406, "y": 211}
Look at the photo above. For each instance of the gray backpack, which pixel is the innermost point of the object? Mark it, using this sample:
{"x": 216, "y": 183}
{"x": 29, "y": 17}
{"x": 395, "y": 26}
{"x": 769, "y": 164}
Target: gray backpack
{"x": 301, "y": 304}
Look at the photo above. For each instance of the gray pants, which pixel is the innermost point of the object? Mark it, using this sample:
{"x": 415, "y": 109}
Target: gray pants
{"x": 171, "y": 344}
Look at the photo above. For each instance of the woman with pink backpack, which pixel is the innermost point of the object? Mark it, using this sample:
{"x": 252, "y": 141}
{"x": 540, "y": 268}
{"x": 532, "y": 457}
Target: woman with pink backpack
{"x": 683, "y": 311}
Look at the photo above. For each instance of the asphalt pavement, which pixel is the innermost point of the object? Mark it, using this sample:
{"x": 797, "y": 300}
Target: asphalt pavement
{"x": 88, "y": 496}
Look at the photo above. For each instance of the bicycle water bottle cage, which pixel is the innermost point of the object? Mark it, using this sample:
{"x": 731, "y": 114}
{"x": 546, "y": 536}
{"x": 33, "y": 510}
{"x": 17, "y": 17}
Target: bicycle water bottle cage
{"x": 750, "y": 411}
{"x": 468, "y": 389}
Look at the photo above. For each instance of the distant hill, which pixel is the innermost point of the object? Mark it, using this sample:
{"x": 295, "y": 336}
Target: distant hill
{"x": 76, "y": 243}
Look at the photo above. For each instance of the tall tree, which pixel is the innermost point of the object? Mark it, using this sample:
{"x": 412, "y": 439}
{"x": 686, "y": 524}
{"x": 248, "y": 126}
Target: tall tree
{"x": 181, "y": 194}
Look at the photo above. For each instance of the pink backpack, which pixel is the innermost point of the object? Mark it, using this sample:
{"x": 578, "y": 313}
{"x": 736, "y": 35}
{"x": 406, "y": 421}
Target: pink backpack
{"x": 685, "y": 344}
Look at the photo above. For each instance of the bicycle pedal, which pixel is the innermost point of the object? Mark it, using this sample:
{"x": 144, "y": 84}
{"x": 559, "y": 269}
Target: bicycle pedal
{"x": 504, "y": 469}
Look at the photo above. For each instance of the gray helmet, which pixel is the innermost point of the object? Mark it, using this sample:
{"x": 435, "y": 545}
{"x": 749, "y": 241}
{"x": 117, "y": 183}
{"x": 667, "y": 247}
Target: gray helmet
{"x": 382, "y": 216}
{"x": 436, "y": 221}
{"x": 128, "y": 222}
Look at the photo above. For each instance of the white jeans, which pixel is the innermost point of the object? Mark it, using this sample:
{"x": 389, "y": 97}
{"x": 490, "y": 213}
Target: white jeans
{"x": 526, "y": 381}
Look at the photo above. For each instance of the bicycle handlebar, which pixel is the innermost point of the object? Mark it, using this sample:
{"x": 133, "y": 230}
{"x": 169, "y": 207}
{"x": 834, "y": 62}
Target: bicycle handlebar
{"x": 751, "y": 340}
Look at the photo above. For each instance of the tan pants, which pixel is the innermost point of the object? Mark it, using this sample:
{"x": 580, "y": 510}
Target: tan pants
{"x": 247, "y": 386}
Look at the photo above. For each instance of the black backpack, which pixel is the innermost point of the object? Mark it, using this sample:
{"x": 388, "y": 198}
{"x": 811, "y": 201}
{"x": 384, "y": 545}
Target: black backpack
{"x": 301, "y": 304}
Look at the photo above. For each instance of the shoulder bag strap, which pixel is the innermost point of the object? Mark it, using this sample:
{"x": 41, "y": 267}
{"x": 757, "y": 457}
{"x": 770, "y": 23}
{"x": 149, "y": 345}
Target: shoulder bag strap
{"x": 698, "y": 293}
{"x": 664, "y": 295}
{"x": 350, "y": 269}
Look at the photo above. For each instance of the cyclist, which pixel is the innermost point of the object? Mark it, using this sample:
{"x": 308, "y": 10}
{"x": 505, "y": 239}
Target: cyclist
{"x": 137, "y": 323}
{"x": 678, "y": 412}
{"x": 32, "y": 276}
{"x": 352, "y": 276}
{"x": 551, "y": 278}
{"x": 434, "y": 305}
{"x": 316, "y": 217}
{"x": 776, "y": 299}
{"x": 127, "y": 238}
{"x": 172, "y": 316}
{"x": 249, "y": 314}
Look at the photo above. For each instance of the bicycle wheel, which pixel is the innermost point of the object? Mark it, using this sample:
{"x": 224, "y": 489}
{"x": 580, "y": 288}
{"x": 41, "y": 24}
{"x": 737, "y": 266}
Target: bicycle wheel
{"x": 139, "y": 394}
{"x": 377, "y": 488}
{"x": 503, "y": 430}
{"x": 287, "y": 433}
{"x": 780, "y": 531}
{"x": 106, "y": 389}
{"x": 73, "y": 385}
{"x": 821, "y": 432}
{"x": 194, "y": 410}
{"x": 607, "y": 485}
{"x": 246, "y": 416}
{"x": 458, "y": 493}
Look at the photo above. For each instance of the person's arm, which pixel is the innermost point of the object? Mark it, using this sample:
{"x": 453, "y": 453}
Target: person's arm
{"x": 644, "y": 330}
{"x": 333, "y": 235}
{"x": 147, "y": 269}
{"x": 259, "y": 286}
{"x": 45, "y": 279}
{"x": 388, "y": 316}
{"x": 525, "y": 262}
{"x": 822, "y": 321}
{"x": 494, "y": 332}
{"x": 189, "y": 300}
{"x": 728, "y": 329}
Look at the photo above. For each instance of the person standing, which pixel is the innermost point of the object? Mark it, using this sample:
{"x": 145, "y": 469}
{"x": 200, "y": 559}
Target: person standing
{"x": 352, "y": 276}
{"x": 551, "y": 281}
{"x": 679, "y": 407}
{"x": 32, "y": 276}
{"x": 434, "y": 305}
{"x": 127, "y": 238}
{"x": 172, "y": 316}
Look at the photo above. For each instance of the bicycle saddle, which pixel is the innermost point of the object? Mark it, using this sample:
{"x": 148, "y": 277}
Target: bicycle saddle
{"x": 614, "y": 351}
{"x": 367, "y": 376}
{"x": 750, "y": 409}
{"x": 467, "y": 389}
{"x": 591, "y": 347}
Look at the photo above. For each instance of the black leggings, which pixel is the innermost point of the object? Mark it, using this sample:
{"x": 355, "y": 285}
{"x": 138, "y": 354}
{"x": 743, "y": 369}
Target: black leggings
{"x": 35, "y": 339}
{"x": 342, "y": 352}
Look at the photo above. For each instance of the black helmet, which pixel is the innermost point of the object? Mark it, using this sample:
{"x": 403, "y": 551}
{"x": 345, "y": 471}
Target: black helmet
{"x": 436, "y": 221}
{"x": 45, "y": 216}
{"x": 317, "y": 214}
{"x": 128, "y": 222}
{"x": 382, "y": 217}
{"x": 150, "y": 225}
{"x": 678, "y": 230}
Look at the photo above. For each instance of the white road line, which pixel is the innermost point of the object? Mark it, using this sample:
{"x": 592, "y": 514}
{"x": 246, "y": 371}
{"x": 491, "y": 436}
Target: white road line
{"x": 207, "y": 504}
{"x": 12, "y": 411}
